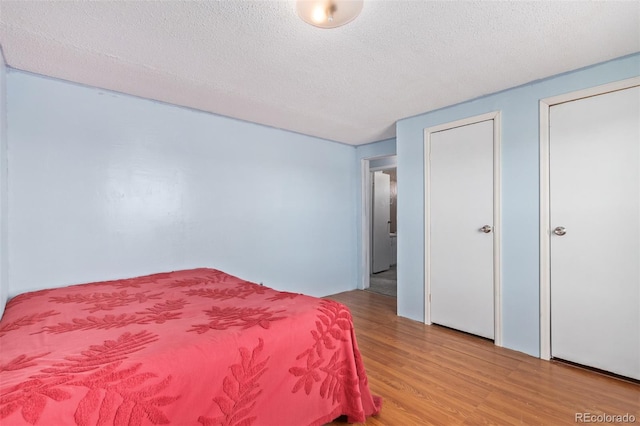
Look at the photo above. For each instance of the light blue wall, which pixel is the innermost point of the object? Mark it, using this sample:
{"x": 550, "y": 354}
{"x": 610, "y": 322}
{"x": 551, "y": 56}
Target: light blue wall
{"x": 375, "y": 150}
{"x": 384, "y": 162}
{"x": 520, "y": 229}
{"x": 372, "y": 150}
{"x": 4, "y": 256}
{"x": 104, "y": 185}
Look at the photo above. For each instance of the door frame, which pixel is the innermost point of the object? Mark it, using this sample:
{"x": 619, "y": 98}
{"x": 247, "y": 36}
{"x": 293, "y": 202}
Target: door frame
{"x": 545, "y": 193}
{"x": 497, "y": 208}
{"x": 367, "y": 210}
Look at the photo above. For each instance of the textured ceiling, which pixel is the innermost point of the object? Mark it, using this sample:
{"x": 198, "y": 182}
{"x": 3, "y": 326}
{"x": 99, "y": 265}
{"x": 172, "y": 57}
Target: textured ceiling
{"x": 257, "y": 61}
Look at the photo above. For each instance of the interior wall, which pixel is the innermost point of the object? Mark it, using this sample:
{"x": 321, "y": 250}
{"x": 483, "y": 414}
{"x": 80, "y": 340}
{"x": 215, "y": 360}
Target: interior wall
{"x": 104, "y": 185}
{"x": 520, "y": 195}
{"x": 4, "y": 256}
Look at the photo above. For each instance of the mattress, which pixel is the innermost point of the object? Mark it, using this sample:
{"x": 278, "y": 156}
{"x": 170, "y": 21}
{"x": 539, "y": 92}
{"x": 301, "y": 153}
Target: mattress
{"x": 192, "y": 347}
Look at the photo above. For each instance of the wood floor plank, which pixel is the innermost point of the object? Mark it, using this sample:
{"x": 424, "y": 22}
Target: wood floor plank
{"x": 431, "y": 375}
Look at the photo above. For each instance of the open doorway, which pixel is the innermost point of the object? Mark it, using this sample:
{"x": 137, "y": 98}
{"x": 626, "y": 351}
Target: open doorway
{"x": 383, "y": 275}
{"x": 380, "y": 203}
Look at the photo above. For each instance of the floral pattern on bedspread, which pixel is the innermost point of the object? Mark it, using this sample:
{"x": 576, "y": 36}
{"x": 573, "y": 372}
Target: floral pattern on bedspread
{"x": 240, "y": 389}
{"x": 109, "y": 387}
{"x": 195, "y": 347}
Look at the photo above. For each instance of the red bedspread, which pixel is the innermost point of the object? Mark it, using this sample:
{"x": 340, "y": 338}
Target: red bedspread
{"x": 188, "y": 347}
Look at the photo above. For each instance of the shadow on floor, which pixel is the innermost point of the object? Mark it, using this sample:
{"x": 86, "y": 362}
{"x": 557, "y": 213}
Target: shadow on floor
{"x": 384, "y": 282}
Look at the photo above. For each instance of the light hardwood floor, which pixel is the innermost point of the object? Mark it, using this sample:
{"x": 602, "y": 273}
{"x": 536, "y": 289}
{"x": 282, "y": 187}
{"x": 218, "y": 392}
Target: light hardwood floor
{"x": 430, "y": 375}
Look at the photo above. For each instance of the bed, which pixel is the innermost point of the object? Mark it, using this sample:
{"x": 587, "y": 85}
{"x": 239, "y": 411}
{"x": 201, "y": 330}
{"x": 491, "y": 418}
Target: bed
{"x": 194, "y": 347}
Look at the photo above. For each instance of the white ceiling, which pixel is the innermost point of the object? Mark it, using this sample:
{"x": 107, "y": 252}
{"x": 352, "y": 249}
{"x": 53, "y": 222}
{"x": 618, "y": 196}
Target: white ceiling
{"x": 257, "y": 61}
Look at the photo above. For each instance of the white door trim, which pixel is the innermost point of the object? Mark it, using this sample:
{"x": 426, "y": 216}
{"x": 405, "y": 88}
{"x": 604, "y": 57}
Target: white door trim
{"x": 497, "y": 208}
{"x": 366, "y": 208}
{"x": 545, "y": 191}
{"x": 365, "y": 265}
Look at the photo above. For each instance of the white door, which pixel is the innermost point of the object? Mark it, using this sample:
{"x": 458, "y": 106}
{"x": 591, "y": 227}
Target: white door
{"x": 381, "y": 240}
{"x": 460, "y": 207}
{"x": 595, "y": 231}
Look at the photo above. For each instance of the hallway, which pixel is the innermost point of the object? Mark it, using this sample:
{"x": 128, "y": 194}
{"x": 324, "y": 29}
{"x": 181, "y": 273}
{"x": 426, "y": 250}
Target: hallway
{"x": 385, "y": 282}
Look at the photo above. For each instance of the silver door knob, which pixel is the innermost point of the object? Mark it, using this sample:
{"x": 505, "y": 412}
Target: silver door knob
{"x": 486, "y": 229}
{"x": 560, "y": 230}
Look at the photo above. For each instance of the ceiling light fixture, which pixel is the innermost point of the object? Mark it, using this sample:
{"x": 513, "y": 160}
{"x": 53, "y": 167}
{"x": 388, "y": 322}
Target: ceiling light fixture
{"x": 328, "y": 13}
